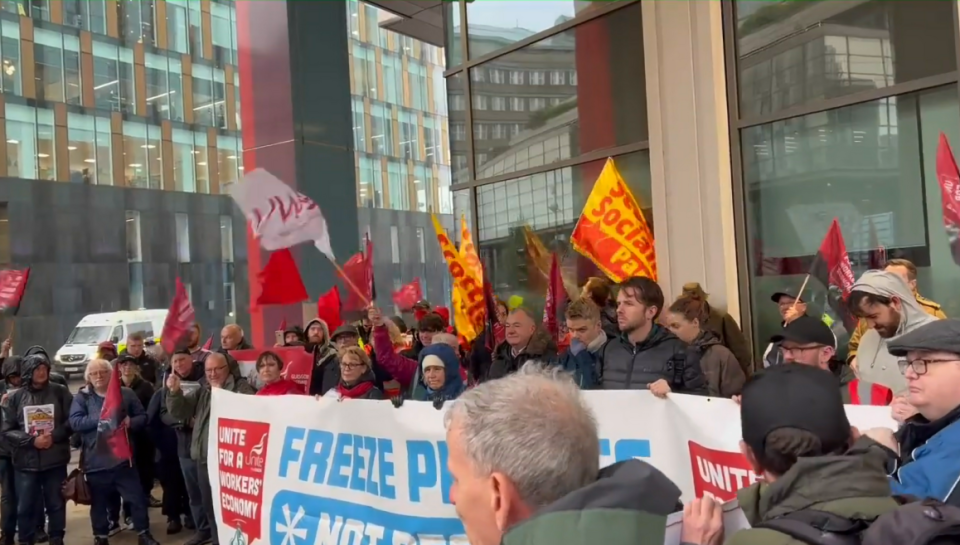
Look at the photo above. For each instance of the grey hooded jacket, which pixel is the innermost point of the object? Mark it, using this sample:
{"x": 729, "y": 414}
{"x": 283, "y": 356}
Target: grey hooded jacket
{"x": 874, "y": 363}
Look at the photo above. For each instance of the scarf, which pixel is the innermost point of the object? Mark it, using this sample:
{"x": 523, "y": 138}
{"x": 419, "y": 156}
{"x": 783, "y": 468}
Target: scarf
{"x": 356, "y": 390}
{"x": 281, "y": 387}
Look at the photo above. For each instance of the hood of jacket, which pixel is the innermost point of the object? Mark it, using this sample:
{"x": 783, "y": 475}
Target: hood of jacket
{"x": 11, "y": 366}
{"x": 312, "y": 347}
{"x": 36, "y": 350}
{"x": 28, "y": 365}
{"x": 705, "y": 340}
{"x": 453, "y": 385}
{"x": 859, "y": 476}
{"x": 874, "y": 362}
{"x": 627, "y": 504}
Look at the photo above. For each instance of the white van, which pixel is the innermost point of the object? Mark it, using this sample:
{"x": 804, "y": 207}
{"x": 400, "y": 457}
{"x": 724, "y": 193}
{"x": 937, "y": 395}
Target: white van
{"x": 81, "y": 345}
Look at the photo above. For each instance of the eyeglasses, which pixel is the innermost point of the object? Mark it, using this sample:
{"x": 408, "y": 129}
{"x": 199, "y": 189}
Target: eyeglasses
{"x": 215, "y": 370}
{"x": 919, "y": 365}
{"x": 352, "y": 365}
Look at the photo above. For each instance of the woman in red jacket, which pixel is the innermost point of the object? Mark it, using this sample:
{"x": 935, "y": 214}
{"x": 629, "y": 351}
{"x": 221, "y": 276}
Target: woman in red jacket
{"x": 270, "y": 367}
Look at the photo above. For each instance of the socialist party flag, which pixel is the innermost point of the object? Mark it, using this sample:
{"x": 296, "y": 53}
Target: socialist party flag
{"x": 949, "y": 180}
{"x": 279, "y": 215}
{"x": 180, "y": 318}
{"x": 112, "y": 440}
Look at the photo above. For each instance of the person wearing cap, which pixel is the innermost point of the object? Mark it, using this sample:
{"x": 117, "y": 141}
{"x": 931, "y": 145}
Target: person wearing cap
{"x": 149, "y": 367}
{"x": 791, "y": 307}
{"x": 144, "y": 449}
{"x": 797, "y": 439}
{"x": 293, "y": 336}
{"x": 929, "y": 442}
{"x": 345, "y": 335}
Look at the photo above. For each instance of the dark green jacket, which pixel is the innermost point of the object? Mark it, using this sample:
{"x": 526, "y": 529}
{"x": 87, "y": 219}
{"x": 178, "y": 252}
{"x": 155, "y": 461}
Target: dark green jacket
{"x": 627, "y": 505}
{"x": 196, "y": 407}
{"x": 854, "y": 485}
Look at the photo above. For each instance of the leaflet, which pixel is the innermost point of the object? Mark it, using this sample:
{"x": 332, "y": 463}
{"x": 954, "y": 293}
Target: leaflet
{"x": 38, "y": 419}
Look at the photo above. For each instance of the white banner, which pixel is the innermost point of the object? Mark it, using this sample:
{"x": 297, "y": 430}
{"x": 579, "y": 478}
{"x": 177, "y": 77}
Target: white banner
{"x": 293, "y": 470}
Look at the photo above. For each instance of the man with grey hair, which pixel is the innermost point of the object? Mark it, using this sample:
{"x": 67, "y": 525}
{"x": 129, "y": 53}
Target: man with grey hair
{"x": 524, "y": 455}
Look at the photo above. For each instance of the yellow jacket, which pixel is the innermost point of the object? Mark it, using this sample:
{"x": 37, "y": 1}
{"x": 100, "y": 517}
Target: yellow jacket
{"x": 933, "y": 309}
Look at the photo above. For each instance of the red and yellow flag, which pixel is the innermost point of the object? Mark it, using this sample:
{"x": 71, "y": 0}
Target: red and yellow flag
{"x": 612, "y": 231}
{"x": 468, "y": 301}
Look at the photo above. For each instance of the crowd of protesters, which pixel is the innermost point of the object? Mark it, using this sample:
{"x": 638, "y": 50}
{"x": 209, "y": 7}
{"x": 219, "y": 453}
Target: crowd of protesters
{"x": 625, "y": 337}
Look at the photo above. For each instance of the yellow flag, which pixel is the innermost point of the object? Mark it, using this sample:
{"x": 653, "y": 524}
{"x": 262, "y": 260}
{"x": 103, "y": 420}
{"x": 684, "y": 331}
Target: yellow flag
{"x": 612, "y": 231}
{"x": 467, "y": 290}
{"x": 468, "y": 252}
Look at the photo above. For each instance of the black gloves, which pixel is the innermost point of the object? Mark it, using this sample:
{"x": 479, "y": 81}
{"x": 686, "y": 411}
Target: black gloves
{"x": 438, "y": 403}
{"x": 397, "y": 401}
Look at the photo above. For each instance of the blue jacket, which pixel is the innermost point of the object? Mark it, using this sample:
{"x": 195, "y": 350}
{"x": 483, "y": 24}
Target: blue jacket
{"x": 930, "y": 453}
{"x": 583, "y": 364}
{"x": 452, "y": 387}
{"x": 85, "y": 420}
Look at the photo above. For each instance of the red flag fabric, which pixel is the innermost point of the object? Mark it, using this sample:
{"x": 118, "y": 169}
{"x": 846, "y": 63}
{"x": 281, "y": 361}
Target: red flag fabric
{"x": 408, "y": 295}
{"x": 949, "y": 178}
{"x": 831, "y": 266}
{"x": 112, "y": 437}
{"x": 878, "y": 254}
{"x": 297, "y": 364}
{"x": 556, "y": 301}
{"x": 283, "y": 325}
{"x": 328, "y": 308}
{"x": 209, "y": 344}
{"x": 280, "y": 281}
{"x": 180, "y": 318}
{"x": 12, "y": 285}
{"x": 355, "y": 272}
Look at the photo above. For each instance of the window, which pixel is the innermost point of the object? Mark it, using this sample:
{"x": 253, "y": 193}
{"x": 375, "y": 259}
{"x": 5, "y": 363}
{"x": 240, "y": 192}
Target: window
{"x": 873, "y": 167}
{"x": 230, "y": 302}
{"x": 195, "y": 18}
{"x": 5, "y": 258}
{"x": 538, "y": 77}
{"x": 134, "y": 254}
{"x": 395, "y": 243}
{"x": 499, "y": 104}
{"x": 381, "y": 129}
{"x": 490, "y": 28}
{"x": 106, "y": 76}
{"x": 48, "y": 56}
{"x": 409, "y": 141}
{"x": 136, "y": 21}
{"x": 397, "y": 178}
{"x": 227, "y": 151}
{"x": 174, "y": 100}
{"x": 46, "y": 147}
{"x": 88, "y": 147}
{"x": 226, "y": 239}
{"x": 203, "y": 101}
{"x": 86, "y": 14}
{"x": 392, "y": 78}
{"x": 158, "y": 88}
{"x": 10, "y": 53}
{"x": 555, "y": 130}
{"x": 177, "y": 27}
{"x": 221, "y": 33}
{"x": 183, "y": 237}
{"x": 458, "y": 132}
{"x": 136, "y": 286}
{"x": 481, "y": 102}
{"x": 421, "y": 240}
{"x": 497, "y": 76}
{"x": 549, "y": 205}
{"x": 200, "y": 162}
{"x": 359, "y": 135}
{"x": 479, "y": 75}
{"x": 184, "y": 178}
{"x": 21, "y": 141}
{"x": 141, "y": 149}
{"x": 516, "y": 77}
{"x": 853, "y": 47}
{"x": 431, "y": 144}
{"x": 40, "y": 9}
{"x": 457, "y": 102}
{"x": 127, "y": 86}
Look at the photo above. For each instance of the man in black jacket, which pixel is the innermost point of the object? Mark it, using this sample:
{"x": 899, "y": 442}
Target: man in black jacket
{"x": 40, "y": 447}
{"x": 525, "y": 341}
{"x": 149, "y": 367}
{"x": 647, "y": 356}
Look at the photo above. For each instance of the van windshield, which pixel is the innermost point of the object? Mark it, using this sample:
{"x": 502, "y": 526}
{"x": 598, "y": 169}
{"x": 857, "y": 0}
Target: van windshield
{"x": 89, "y": 334}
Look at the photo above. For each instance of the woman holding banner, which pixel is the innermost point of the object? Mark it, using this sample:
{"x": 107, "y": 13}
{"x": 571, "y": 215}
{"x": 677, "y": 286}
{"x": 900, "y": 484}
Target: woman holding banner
{"x": 357, "y": 380}
{"x": 269, "y": 369}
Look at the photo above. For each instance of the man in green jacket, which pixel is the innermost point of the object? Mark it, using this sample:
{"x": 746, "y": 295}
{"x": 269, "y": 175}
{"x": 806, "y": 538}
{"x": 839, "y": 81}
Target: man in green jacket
{"x": 195, "y": 408}
{"x": 797, "y": 436}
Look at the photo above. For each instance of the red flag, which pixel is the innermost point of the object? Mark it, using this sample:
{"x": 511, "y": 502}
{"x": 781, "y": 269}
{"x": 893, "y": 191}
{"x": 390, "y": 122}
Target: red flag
{"x": 283, "y": 325}
{"x": 111, "y": 433}
{"x": 878, "y": 254}
{"x": 949, "y": 178}
{"x": 209, "y": 344}
{"x": 12, "y": 285}
{"x": 408, "y": 295}
{"x": 831, "y": 266}
{"x": 180, "y": 318}
{"x": 556, "y": 300}
{"x": 355, "y": 274}
{"x": 328, "y": 308}
{"x": 280, "y": 281}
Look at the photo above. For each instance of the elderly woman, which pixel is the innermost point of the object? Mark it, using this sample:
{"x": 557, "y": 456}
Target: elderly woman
{"x": 357, "y": 380}
{"x": 105, "y": 473}
{"x": 270, "y": 372}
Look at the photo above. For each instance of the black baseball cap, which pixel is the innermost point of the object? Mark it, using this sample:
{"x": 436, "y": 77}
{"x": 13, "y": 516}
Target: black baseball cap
{"x": 789, "y": 292}
{"x": 794, "y": 396}
{"x": 807, "y": 330}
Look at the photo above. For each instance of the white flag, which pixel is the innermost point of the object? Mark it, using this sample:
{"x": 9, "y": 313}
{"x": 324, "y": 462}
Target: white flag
{"x": 280, "y": 216}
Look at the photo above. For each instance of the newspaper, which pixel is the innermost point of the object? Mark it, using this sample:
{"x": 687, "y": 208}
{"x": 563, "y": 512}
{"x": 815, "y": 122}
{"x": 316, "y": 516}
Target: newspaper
{"x": 38, "y": 419}
{"x": 733, "y": 521}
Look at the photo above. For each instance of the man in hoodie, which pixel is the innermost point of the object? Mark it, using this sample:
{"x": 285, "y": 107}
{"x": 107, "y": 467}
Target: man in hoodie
{"x": 40, "y": 456}
{"x": 796, "y": 436}
{"x": 646, "y": 356}
{"x": 136, "y": 349}
{"x": 196, "y": 408}
{"x": 326, "y": 365}
{"x": 525, "y": 341}
{"x": 884, "y": 300}
{"x": 586, "y": 329}
{"x": 514, "y": 483}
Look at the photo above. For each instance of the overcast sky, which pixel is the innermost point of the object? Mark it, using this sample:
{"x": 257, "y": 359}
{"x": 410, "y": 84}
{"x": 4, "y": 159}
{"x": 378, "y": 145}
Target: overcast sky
{"x": 529, "y": 14}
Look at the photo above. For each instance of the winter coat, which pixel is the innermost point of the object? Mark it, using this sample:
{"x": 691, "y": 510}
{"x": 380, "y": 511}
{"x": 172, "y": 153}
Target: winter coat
{"x": 730, "y": 335}
{"x": 196, "y": 407}
{"x": 163, "y": 436}
{"x": 281, "y": 387}
{"x": 725, "y": 376}
{"x": 9, "y": 366}
{"x": 374, "y": 393}
{"x": 142, "y": 437}
{"x": 326, "y": 363}
{"x": 627, "y": 505}
{"x": 540, "y": 348}
{"x": 852, "y": 485}
{"x": 583, "y": 362}
{"x": 930, "y": 458}
{"x": 85, "y": 420}
{"x": 453, "y": 384}
{"x": 55, "y": 377}
{"x": 149, "y": 367}
{"x": 182, "y": 427}
{"x": 608, "y": 320}
{"x": 661, "y": 355}
{"x": 403, "y": 368}
{"x": 27, "y": 457}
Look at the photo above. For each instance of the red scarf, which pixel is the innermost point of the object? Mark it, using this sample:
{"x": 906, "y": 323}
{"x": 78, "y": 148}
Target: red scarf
{"x": 356, "y": 391}
{"x": 281, "y": 387}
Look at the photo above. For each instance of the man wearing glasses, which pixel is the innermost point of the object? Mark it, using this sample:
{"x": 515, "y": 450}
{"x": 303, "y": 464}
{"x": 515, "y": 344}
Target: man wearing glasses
{"x": 928, "y": 445}
{"x": 808, "y": 341}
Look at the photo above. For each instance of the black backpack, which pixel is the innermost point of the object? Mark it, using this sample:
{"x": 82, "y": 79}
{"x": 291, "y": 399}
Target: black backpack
{"x": 914, "y": 522}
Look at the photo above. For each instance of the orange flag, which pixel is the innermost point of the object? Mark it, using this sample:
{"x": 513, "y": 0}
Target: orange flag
{"x": 468, "y": 297}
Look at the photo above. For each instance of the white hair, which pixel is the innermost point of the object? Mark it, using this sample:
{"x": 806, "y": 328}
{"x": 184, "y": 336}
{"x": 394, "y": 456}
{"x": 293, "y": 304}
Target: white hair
{"x": 534, "y": 427}
{"x": 447, "y": 339}
{"x": 94, "y": 364}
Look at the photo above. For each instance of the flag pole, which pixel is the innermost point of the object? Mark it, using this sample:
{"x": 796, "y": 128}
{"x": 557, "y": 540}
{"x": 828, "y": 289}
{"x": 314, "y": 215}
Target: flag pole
{"x": 13, "y": 327}
{"x": 799, "y": 293}
{"x": 349, "y": 282}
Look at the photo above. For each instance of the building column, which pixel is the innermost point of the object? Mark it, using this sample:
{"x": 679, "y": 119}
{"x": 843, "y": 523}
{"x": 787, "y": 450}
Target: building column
{"x": 690, "y": 150}
{"x": 297, "y": 124}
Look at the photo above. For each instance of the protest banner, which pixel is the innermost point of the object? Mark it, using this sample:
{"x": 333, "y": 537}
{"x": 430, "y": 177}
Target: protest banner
{"x": 297, "y": 364}
{"x": 363, "y": 471}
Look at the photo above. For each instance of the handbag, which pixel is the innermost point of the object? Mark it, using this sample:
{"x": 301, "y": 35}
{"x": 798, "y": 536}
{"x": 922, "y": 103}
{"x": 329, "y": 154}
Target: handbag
{"x": 76, "y": 488}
